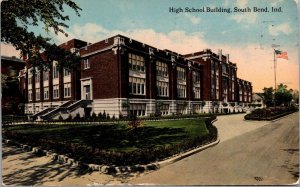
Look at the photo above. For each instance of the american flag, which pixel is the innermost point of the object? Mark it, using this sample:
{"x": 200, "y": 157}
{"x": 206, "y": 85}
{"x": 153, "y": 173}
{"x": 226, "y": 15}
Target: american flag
{"x": 281, "y": 54}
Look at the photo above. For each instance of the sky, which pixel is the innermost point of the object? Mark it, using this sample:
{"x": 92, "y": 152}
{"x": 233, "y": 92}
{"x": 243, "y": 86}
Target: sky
{"x": 246, "y": 36}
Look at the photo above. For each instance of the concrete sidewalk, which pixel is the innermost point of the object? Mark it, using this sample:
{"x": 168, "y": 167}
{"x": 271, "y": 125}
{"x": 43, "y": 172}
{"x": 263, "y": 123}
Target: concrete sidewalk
{"x": 234, "y": 125}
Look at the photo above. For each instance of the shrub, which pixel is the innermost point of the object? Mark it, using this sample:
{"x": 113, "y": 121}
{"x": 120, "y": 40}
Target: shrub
{"x": 268, "y": 113}
{"x": 77, "y": 117}
{"x": 134, "y": 123}
{"x": 104, "y": 115}
{"x": 100, "y": 115}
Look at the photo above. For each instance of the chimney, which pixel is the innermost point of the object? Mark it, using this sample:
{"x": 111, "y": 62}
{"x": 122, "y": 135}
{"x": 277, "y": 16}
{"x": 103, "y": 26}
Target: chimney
{"x": 220, "y": 54}
{"x": 227, "y": 58}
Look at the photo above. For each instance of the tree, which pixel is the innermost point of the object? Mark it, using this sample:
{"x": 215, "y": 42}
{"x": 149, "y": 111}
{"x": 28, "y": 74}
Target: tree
{"x": 9, "y": 82}
{"x": 17, "y": 15}
{"x": 268, "y": 96}
{"x": 283, "y": 95}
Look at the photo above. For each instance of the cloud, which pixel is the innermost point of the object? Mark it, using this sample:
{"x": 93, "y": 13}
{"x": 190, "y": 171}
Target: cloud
{"x": 248, "y": 18}
{"x": 241, "y": 3}
{"x": 276, "y": 2}
{"x": 284, "y": 28}
{"x": 195, "y": 20}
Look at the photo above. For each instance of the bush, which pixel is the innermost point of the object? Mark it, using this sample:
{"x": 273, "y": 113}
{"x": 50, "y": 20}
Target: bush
{"x": 269, "y": 113}
{"x": 135, "y": 123}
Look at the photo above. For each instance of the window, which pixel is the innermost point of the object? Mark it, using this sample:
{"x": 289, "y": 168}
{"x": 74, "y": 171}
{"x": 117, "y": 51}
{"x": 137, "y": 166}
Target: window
{"x": 46, "y": 93}
{"x": 196, "y": 108}
{"x": 181, "y": 90}
{"x": 86, "y": 64}
{"x": 161, "y": 69}
{"x": 30, "y": 95}
{"x": 55, "y": 72}
{"x": 196, "y": 77}
{"x": 136, "y": 62}
{"x": 164, "y": 109}
{"x": 138, "y": 109}
{"x": 37, "y": 77}
{"x": 162, "y": 88}
{"x": 137, "y": 86}
{"x": 197, "y": 92}
{"x": 181, "y": 75}
{"x": 196, "y": 84}
{"x": 46, "y": 75}
{"x": 37, "y": 94}
{"x": 30, "y": 79}
{"x": 67, "y": 72}
{"x": 55, "y": 91}
{"x": 181, "y": 108}
{"x": 67, "y": 90}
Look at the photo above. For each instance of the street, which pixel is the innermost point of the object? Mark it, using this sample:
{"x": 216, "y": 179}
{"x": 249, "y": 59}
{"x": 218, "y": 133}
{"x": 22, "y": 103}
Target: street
{"x": 248, "y": 153}
{"x": 268, "y": 155}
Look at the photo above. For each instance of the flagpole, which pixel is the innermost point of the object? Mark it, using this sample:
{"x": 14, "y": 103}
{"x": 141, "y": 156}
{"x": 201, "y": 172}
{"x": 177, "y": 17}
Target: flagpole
{"x": 274, "y": 77}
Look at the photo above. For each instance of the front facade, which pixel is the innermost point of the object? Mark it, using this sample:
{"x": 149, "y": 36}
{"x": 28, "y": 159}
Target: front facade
{"x": 121, "y": 76}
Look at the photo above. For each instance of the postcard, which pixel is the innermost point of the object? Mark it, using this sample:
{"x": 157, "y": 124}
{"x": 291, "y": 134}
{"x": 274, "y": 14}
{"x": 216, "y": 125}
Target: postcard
{"x": 131, "y": 92}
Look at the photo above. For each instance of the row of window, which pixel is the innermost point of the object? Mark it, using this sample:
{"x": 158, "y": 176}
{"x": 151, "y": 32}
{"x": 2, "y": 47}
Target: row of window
{"x": 67, "y": 92}
{"x": 46, "y": 75}
{"x": 137, "y": 86}
{"x": 161, "y": 69}
{"x": 163, "y": 88}
{"x": 136, "y": 62}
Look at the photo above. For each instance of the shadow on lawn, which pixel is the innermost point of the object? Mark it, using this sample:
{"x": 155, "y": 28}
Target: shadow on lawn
{"x": 112, "y": 136}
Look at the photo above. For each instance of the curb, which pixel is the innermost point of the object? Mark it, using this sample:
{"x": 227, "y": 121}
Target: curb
{"x": 283, "y": 117}
{"x": 110, "y": 169}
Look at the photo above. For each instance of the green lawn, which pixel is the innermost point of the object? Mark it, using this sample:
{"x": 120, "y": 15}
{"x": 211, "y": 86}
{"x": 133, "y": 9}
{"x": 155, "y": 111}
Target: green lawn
{"x": 117, "y": 137}
{"x": 113, "y": 143}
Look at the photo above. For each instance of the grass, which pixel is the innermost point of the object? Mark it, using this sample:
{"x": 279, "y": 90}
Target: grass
{"x": 114, "y": 137}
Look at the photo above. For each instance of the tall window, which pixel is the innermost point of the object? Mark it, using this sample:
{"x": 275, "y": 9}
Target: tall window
{"x": 181, "y": 90}
{"x": 37, "y": 77}
{"x": 55, "y": 72}
{"x": 196, "y": 77}
{"x": 46, "y": 75}
{"x": 163, "y": 88}
{"x": 37, "y": 94}
{"x": 46, "y": 93}
{"x": 29, "y": 79}
{"x": 30, "y": 95}
{"x": 196, "y": 84}
{"x": 161, "y": 69}
{"x": 181, "y": 75}
{"x": 67, "y": 90}
{"x": 86, "y": 64}
{"x": 136, "y": 62}
{"x": 67, "y": 72}
{"x": 55, "y": 91}
{"x": 197, "y": 92}
{"x": 137, "y": 86}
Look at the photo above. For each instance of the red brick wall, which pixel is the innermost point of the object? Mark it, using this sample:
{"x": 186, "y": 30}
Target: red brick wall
{"x": 104, "y": 72}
